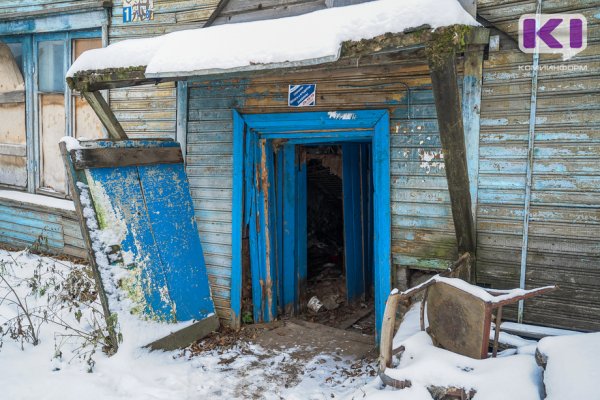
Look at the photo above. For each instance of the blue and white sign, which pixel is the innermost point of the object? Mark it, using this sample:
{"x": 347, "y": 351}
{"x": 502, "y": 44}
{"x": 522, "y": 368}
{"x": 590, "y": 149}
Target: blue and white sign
{"x": 127, "y": 14}
{"x": 302, "y": 95}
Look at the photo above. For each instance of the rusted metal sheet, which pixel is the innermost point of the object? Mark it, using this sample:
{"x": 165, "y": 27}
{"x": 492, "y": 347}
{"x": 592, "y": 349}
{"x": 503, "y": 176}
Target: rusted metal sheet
{"x": 564, "y": 223}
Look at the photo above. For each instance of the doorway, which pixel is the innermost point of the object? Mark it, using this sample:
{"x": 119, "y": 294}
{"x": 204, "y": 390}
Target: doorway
{"x": 280, "y": 162}
{"x": 338, "y": 291}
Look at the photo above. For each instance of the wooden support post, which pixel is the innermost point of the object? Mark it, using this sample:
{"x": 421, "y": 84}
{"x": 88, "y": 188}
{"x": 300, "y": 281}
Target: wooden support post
{"x": 442, "y": 64}
{"x": 107, "y": 117}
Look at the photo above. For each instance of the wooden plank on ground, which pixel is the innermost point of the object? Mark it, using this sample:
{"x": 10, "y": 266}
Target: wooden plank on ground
{"x": 186, "y": 336}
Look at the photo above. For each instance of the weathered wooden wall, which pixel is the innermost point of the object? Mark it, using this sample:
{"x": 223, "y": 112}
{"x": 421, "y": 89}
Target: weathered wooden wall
{"x": 24, "y": 221}
{"x": 244, "y": 10}
{"x": 564, "y": 231}
{"x": 422, "y": 234}
{"x": 11, "y": 10}
{"x": 254, "y": 10}
{"x": 150, "y": 111}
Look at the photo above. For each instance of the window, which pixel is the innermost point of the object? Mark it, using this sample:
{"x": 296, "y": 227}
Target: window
{"x": 51, "y": 70}
{"x": 37, "y": 108}
{"x": 52, "y": 116}
{"x": 87, "y": 125}
{"x": 13, "y": 153}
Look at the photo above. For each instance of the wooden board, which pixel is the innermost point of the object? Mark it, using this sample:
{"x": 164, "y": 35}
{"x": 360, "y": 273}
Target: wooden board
{"x": 147, "y": 212}
{"x": 124, "y": 157}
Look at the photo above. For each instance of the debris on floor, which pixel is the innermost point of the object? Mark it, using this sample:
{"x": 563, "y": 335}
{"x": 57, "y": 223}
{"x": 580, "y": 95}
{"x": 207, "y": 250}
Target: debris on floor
{"x": 286, "y": 353}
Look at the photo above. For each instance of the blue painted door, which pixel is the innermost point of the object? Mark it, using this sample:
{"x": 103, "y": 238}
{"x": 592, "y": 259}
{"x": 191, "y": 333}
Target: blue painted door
{"x": 260, "y": 215}
{"x": 150, "y": 213}
{"x": 293, "y": 264}
{"x": 357, "y": 194}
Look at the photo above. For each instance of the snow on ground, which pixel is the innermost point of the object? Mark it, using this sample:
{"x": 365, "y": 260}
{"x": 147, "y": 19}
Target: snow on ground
{"x": 515, "y": 377}
{"x": 314, "y": 36}
{"x": 572, "y": 370}
{"x": 242, "y": 371}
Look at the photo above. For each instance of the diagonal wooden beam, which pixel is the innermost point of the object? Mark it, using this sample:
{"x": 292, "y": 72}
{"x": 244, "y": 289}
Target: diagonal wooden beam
{"x": 444, "y": 79}
{"x": 107, "y": 117}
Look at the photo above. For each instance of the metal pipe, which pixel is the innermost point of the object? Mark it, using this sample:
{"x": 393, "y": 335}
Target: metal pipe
{"x": 530, "y": 148}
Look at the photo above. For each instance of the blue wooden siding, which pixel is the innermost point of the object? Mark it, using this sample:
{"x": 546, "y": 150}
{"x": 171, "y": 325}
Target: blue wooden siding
{"x": 24, "y": 223}
{"x": 563, "y": 243}
{"x": 422, "y": 230}
{"x": 23, "y": 9}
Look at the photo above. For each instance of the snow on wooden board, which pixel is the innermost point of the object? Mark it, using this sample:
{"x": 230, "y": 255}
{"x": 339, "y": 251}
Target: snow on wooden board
{"x": 572, "y": 369}
{"x": 481, "y": 293}
{"x": 314, "y": 36}
{"x": 37, "y": 200}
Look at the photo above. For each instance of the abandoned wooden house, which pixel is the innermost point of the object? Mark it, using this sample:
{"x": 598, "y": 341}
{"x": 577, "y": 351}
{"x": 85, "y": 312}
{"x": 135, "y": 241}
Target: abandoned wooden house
{"x": 369, "y": 170}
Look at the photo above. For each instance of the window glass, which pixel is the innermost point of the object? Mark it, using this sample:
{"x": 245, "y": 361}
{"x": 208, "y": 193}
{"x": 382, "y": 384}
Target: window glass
{"x": 17, "y": 51}
{"x": 51, "y": 69}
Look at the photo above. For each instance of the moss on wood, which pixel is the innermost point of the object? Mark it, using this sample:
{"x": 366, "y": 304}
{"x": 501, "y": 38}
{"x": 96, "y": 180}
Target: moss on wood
{"x": 445, "y": 43}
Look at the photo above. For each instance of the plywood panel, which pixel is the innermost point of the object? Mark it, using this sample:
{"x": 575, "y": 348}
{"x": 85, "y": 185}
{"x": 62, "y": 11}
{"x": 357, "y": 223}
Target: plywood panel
{"x": 52, "y": 129}
{"x": 87, "y": 125}
{"x": 12, "y": 127}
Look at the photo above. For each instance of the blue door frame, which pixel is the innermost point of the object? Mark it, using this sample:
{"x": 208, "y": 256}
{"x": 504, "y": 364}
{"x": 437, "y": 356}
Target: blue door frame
{"x": 252, "y": 138}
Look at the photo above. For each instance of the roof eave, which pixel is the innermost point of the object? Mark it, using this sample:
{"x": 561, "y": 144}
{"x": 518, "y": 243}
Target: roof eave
{"x": 414, "y": 39}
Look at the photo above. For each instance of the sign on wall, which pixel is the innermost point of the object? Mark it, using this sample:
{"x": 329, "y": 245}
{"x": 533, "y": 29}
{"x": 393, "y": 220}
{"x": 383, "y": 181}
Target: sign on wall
{"x": 304, "y": 95}
{"x": 138, "y": 10}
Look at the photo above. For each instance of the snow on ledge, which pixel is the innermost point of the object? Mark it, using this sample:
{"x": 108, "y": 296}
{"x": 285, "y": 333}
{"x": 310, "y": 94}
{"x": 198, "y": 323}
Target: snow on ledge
{"x": 308, "y": 39}
{"x": 37, "y": 200}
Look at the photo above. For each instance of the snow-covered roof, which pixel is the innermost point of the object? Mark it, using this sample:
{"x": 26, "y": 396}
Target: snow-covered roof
{"x": 307, "y": 39}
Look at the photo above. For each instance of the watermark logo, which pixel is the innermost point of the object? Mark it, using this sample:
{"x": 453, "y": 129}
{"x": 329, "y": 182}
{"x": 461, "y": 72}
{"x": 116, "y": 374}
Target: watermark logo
{"x": 553, "y": 33}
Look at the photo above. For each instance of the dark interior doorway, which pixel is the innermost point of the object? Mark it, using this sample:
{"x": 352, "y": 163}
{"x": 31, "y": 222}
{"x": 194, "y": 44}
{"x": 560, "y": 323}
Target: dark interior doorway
{"x": 325, "y": 294}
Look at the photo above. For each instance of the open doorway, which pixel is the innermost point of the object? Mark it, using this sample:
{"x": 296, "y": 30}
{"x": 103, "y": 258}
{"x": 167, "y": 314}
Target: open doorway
{"x": 272, "y": 201}
{"x": 332, "y": 192}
